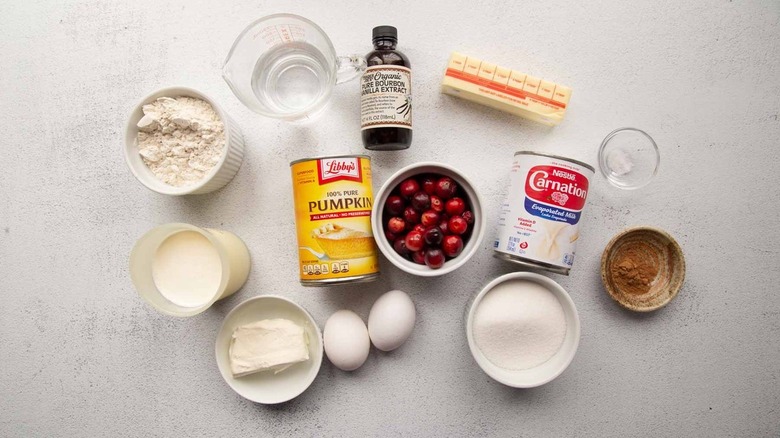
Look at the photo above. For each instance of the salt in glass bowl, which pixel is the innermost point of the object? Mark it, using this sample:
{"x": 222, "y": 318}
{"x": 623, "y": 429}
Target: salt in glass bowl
{"x": 629, "y": 158}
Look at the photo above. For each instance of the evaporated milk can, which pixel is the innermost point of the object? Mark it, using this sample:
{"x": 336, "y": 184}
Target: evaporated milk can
{"x": 333, "y": 200}
{"x": 538, "y": 225}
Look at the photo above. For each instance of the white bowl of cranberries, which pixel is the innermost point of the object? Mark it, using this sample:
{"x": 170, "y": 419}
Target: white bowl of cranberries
{"x": 427, "y": 219}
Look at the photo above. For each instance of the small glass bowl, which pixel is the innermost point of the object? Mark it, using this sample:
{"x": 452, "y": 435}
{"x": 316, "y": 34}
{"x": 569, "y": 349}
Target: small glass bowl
{"x": 629, "y": 158}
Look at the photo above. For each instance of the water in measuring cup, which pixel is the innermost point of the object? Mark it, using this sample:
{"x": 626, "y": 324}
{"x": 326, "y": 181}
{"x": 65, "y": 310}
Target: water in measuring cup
{"x": 291, "y": 78}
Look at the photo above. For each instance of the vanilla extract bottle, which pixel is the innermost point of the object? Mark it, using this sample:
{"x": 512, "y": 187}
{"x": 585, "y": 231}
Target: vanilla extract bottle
{"x": 386, "y": 95}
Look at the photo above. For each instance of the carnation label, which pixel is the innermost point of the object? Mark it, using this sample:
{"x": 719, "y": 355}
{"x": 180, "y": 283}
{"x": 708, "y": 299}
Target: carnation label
{"x": 539, "y": 221}
{"x": 386, "y": 97}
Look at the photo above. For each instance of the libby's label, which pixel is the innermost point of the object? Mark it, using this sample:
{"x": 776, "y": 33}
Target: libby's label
{"x": 386, "y": 97}
{"x": 555, "y": 193}
{"x": 339, "y": 169}
{"x": 333, "y": 200}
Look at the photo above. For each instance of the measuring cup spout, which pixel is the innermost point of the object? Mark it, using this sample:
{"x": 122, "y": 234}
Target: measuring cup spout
{"x": 226, "y": 77}
{"x": 231, "y": 73}
{"x": 349, "y": 67}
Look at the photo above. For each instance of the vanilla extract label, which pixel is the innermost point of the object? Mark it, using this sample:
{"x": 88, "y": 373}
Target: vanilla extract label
{"x": 386, "y": 97}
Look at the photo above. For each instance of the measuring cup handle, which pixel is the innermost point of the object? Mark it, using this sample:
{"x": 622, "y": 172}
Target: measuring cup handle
{"x": 350, "y": 67}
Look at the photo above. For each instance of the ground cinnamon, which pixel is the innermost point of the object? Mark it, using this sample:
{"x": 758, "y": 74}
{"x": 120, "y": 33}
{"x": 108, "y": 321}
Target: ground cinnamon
{"x": 635, "y": 267}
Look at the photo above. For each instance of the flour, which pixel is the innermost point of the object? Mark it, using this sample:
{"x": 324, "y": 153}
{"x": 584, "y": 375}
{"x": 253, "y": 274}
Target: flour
{"x": 180, "y": 139}
{"x": 519, "y": 325}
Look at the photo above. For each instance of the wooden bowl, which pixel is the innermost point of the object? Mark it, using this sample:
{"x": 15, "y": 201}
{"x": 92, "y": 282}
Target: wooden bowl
{"x": 642, "y": 268}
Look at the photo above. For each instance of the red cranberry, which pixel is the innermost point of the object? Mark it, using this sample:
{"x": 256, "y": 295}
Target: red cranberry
{"x": 414, "y": 240}
{"x": 455, "y": 206}
{"x": 400, "y": 246}
{"x": 452, "y": 245}
{"x": 457, "y": 225}
{"x": 418, "y": 257}
{"x": 433, "y": 236}
{"x": 419, "y": 227}
{"x": 394, "y": 206}
{"x": 429, "y": 218}
{"x": 437, "y": 204}
{"x": 411, "y": 215}
{"x": 396, "y": 225}
{"x": 434, "y": 258}
{"x": 444, "y": 225}
{"x": 469, "y": 216}
{"x": 429, "y": 184}
{"x": 446, "y": 188}
{"x": 421, "y": 201}
{"x": 408, "y": 187}
{"x": 390, "y": 235}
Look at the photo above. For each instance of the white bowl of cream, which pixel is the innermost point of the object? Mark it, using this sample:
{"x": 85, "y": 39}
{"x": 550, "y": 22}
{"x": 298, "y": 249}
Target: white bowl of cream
{"x": 523, "y": 329}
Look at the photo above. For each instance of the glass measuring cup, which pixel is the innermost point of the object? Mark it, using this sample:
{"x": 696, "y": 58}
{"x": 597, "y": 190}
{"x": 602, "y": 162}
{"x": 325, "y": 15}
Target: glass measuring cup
{"x": 284, "y": 66}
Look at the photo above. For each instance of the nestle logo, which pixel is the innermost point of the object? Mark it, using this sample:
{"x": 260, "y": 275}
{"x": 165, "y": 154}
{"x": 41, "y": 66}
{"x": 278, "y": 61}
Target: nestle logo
{"x": 339, "y": 169}
{"x": 563, "y": 174}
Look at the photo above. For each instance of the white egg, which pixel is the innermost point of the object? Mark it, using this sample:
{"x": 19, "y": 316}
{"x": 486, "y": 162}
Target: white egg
{"x": 391, "y": 320}
{"x": 346, "y": 340}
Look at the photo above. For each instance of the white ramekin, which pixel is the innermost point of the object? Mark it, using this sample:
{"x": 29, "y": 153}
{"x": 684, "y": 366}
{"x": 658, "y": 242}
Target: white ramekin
{"x": 268, "y": 387}
{"x": 547, "y": 371}
{"x": 386, "y": 247}
{"x": 218, "y": 176}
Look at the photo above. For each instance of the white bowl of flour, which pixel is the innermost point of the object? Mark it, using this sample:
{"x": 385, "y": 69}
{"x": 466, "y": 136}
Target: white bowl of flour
{"x": 523, "y": 329}
{"x": 178, "y": 141}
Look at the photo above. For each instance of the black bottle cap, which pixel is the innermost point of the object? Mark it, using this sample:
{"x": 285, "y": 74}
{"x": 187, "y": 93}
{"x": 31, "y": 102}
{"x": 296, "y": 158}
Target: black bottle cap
{"x": 385, "y": 32}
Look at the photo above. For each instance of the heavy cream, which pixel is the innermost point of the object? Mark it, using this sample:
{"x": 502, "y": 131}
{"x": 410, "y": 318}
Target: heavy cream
{"x": 187, "y": 269}
{"x": 181, "y": 269}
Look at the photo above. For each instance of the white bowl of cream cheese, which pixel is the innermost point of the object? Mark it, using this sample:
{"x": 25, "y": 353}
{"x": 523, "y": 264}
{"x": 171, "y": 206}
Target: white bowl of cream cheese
{"x": 270, "y": 387}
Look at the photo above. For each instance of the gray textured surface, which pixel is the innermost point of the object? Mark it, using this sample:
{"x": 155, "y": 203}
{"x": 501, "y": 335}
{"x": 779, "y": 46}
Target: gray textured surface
{"x": 80, "y": 354}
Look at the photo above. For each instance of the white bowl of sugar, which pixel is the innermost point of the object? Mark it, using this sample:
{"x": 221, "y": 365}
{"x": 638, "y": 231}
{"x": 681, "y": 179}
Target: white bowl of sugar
{"x": 215, "y": 163}
{"x": 523, "y": 329}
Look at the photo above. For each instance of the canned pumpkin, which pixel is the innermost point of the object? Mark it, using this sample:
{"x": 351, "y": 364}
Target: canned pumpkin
{"x": 333, "y": 200}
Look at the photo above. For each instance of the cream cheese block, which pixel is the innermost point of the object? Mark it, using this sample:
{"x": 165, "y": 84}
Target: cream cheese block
{"x": 268, "y": 344}
{"x": 506, "y": 90}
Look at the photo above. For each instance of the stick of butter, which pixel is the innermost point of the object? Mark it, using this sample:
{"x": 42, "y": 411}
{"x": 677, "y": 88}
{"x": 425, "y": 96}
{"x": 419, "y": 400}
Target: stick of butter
{"x": 268, "y": 344}
{"x": 506, "y": 90}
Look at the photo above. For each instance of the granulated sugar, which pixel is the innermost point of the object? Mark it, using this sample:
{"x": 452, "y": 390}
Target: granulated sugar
{"x": 519, "y": 324}
{"x": 180, "y": 139}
